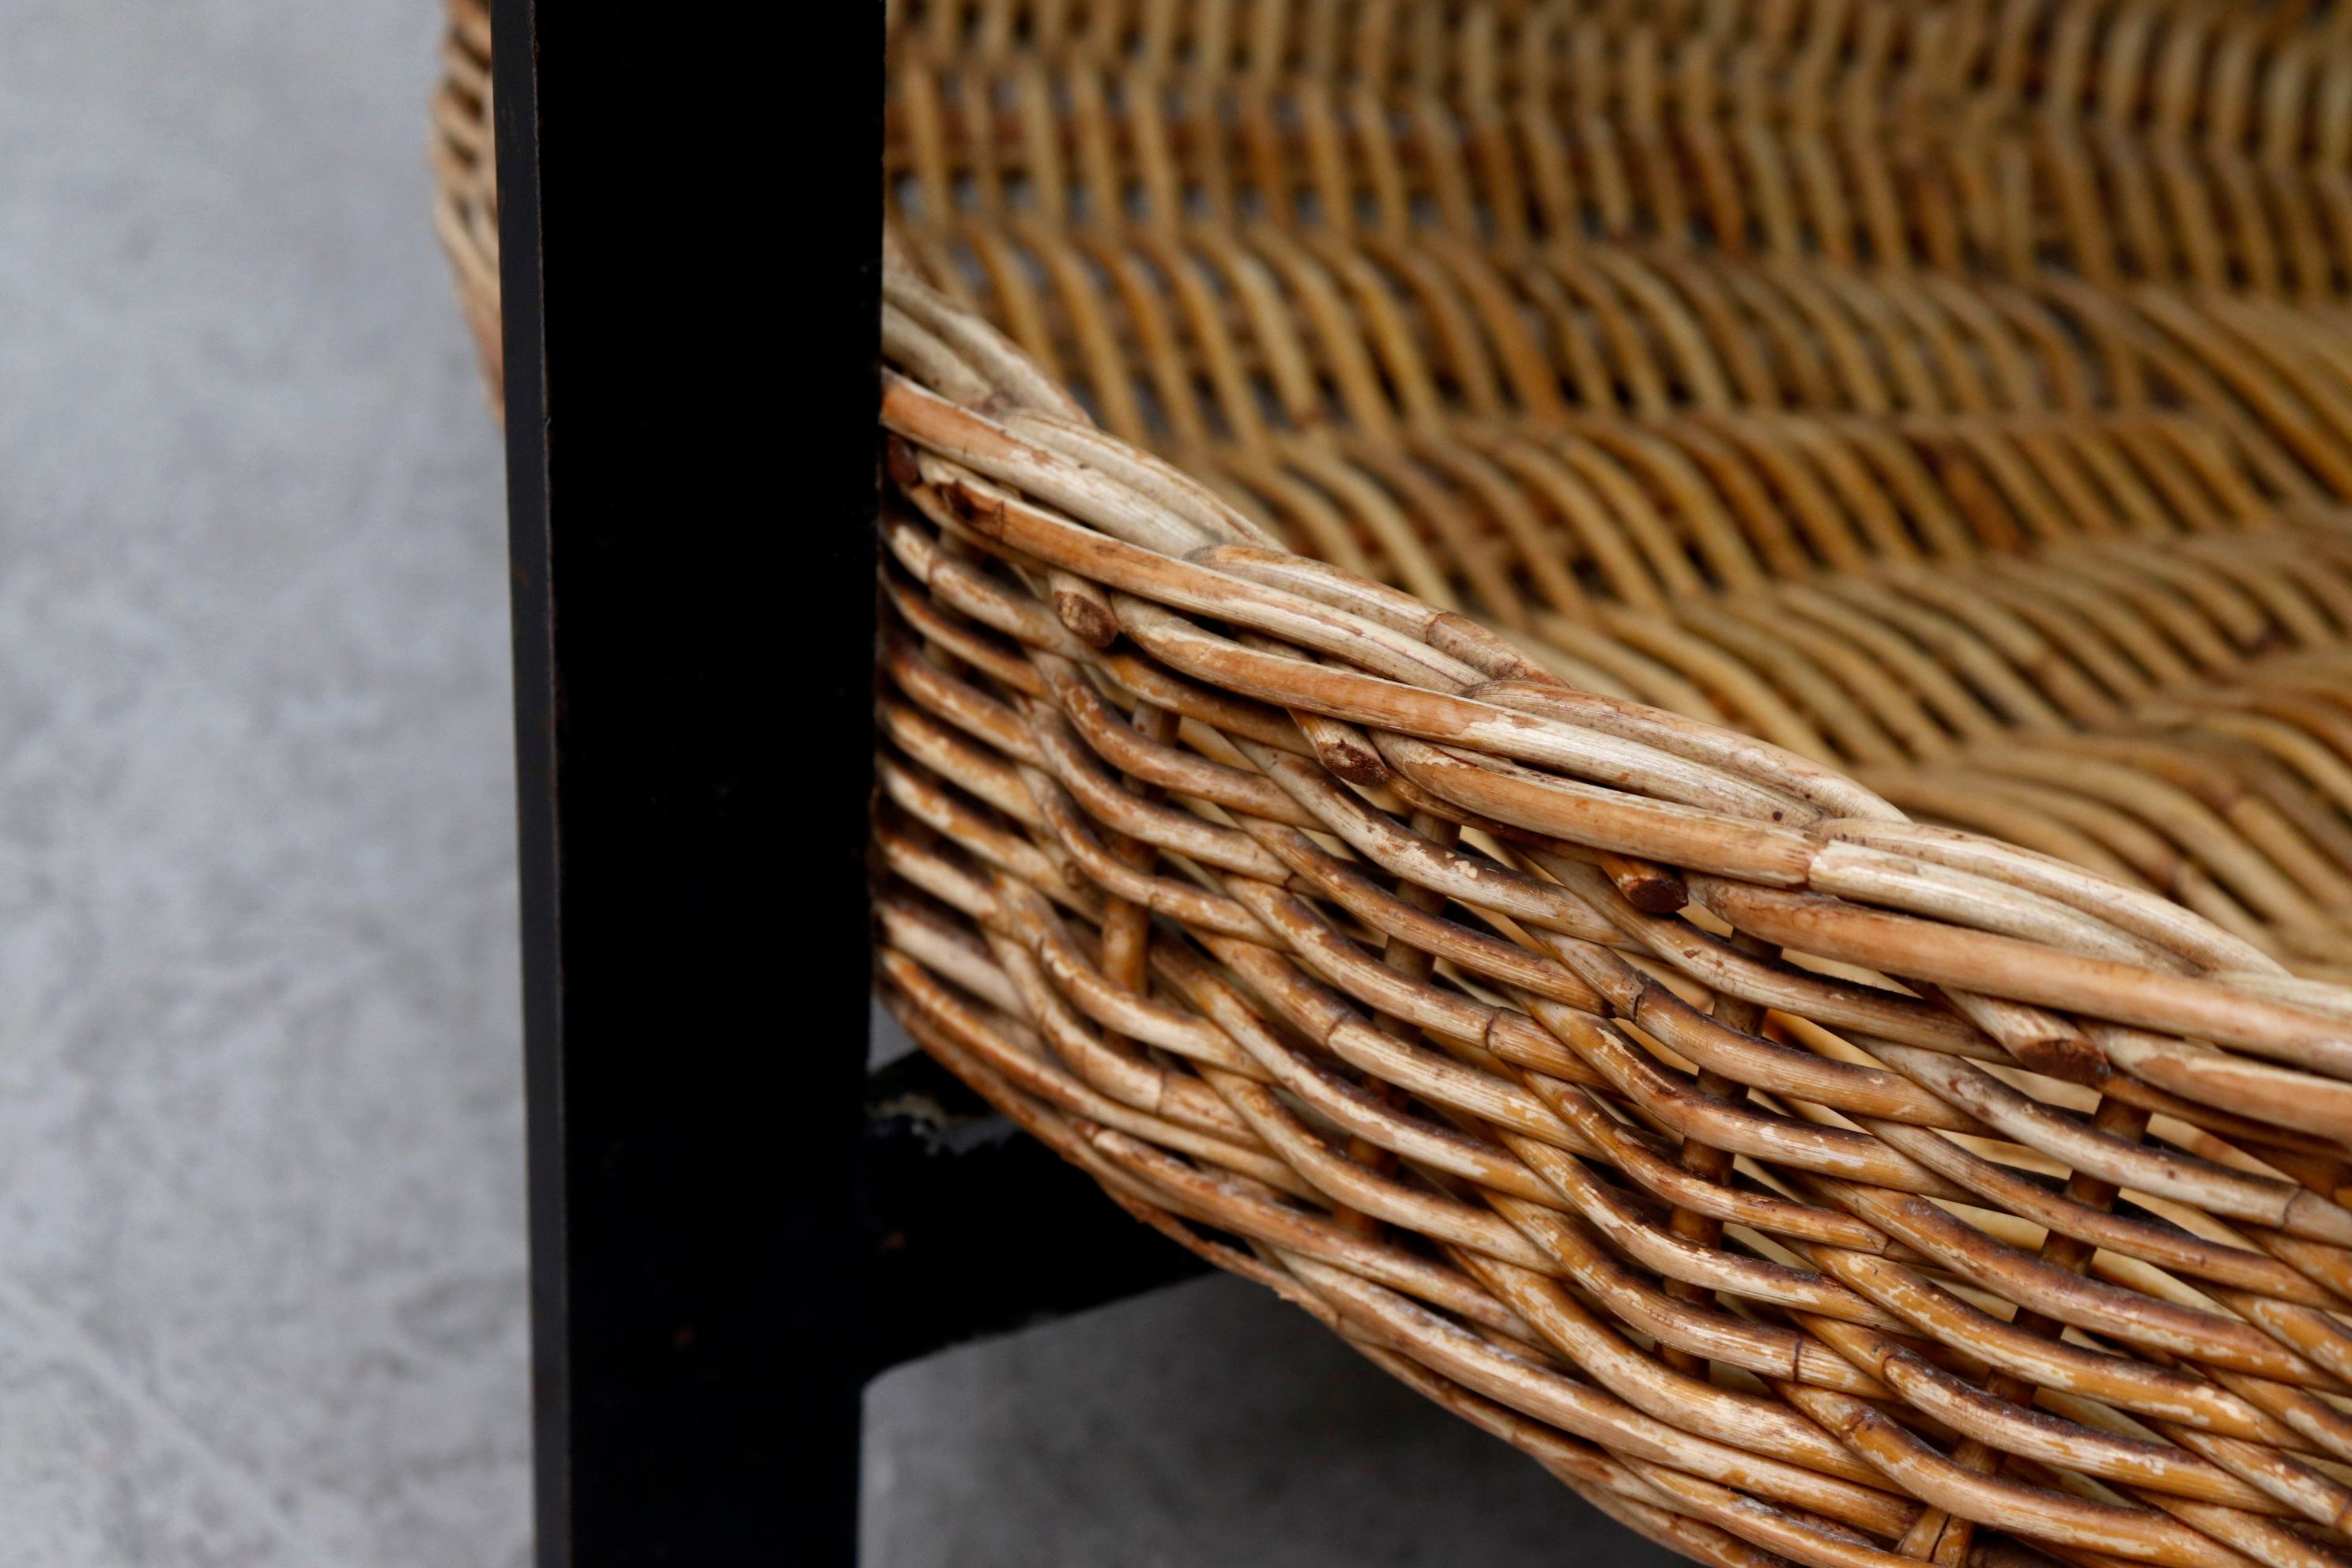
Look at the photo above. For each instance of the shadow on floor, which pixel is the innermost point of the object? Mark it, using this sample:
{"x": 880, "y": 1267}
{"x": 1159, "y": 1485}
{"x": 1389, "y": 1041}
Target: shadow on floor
{"x": 1204, "y": 1427}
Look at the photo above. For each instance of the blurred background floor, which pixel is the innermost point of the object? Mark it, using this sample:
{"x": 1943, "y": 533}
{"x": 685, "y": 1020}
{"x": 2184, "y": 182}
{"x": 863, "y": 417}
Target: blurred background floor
{"x": 261, "y": 1269}
{"x": 261, "y": 1239}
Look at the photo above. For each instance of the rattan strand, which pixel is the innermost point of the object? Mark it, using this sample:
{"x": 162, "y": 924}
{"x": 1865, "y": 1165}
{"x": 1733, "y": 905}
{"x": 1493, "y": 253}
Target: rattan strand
{"x": 1756, "y": 913}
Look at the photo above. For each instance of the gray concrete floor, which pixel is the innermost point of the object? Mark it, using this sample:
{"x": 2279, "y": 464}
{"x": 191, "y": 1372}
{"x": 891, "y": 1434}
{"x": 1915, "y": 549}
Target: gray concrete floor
{"x": 261, "y": 1253}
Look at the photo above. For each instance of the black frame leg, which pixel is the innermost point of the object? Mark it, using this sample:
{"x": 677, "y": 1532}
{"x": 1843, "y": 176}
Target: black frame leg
{"x": 691, "y": 483}
{"x": 731, "y": 1228}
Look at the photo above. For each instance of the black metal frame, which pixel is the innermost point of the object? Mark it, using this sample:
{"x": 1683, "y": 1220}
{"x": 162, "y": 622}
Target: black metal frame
{"x": 731, "y": 1228}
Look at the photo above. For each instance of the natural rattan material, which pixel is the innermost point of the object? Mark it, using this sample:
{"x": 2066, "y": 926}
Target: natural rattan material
{"x": 1806, "y": 432}
{"x": 466, "y": 173}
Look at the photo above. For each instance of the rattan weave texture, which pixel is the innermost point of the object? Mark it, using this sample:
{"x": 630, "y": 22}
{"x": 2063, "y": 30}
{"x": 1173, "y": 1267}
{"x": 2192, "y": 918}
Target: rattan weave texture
{"x": 1652, "y": 703}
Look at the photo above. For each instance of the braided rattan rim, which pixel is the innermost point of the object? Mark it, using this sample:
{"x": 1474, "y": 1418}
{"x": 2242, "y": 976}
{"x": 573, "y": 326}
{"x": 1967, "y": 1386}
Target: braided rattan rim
{"x": 1795, "y": 1180}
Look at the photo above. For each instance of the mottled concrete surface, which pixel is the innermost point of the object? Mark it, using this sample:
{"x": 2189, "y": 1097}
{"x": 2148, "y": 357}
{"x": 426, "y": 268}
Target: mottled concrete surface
{"x": 261, "y": 1262}
{"x": 260, "y": 1197}
{"x": 1206, "y": 1427}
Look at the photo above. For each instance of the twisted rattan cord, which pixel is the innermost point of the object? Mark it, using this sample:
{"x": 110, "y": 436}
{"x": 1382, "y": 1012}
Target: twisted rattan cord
{"x": 1896, "y": 139}
{"x": 2029, "y": 468}
{"x": 1150, "y": 943}
{"x": 465, "y": 173}
{"x": 1860, "y": 736}
{"x": 1888, "y": 723}
{"x": 1021, "y": 999}
{"x": 2251, "y": 82}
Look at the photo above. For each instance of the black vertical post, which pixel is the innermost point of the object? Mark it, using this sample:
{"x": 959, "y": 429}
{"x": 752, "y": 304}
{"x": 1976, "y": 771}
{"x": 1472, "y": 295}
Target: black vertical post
{"x": 689, "y": 229}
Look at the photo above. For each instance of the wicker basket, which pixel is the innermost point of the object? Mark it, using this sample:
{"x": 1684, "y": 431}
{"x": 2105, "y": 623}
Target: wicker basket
{"x": 466, "y": 177}
{"x": 1653, "y": 707}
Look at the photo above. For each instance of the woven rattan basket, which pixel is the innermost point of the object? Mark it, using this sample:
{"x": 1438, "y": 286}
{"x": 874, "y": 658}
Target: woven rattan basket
{"x": 1655, "y": 704}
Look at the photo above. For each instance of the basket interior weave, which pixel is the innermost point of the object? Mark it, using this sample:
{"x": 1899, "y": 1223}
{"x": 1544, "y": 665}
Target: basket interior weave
{"x": 1652, "y": 703}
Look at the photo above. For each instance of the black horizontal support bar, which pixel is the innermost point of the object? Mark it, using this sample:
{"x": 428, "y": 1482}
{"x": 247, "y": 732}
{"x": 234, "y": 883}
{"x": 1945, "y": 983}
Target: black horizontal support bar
{"x": 978, "y": 1229}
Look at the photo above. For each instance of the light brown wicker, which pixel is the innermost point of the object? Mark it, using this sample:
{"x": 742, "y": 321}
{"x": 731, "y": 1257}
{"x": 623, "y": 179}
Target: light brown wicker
{"x": 466, "y": 177}
{"x": 1814, "y": 437}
